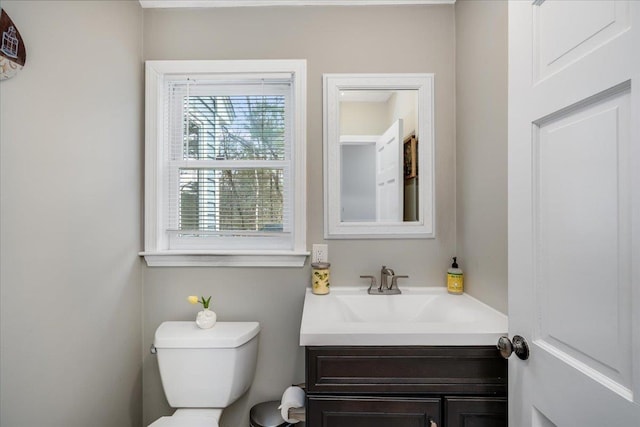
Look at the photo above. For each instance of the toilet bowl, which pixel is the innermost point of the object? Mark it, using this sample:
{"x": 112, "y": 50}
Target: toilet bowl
{"x": 204, "y": 370}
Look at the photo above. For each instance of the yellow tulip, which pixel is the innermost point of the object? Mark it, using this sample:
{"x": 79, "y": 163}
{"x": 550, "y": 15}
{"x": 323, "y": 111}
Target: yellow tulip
{"x": 193, "y": 299}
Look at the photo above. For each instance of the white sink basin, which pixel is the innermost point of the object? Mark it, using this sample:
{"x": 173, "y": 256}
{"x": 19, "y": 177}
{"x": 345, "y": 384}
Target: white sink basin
{"x": 419, "y": 316}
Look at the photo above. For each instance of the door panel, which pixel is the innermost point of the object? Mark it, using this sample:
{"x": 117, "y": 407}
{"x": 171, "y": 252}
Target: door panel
{"x": 592, "y": 23}
{"x": 582, "y": 242}
{"x": 539, "y": 420}
{"x": 574, "y": 198}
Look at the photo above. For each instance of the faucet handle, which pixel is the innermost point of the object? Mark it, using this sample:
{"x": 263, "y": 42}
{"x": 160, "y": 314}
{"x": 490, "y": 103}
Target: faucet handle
{"x": 394, "y": 281}
{"x": 373, "y": 280}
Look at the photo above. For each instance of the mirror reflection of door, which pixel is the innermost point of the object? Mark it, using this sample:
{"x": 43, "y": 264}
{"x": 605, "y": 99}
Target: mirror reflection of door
{"x": 373, "y": 126}
{"x": 389, "y": 186}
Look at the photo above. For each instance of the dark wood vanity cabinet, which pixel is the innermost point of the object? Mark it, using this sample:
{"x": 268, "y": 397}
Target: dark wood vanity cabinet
{"x": 361, "y": 411}
{"x": 475, "y": 411}
{"x": 406, "y": 386}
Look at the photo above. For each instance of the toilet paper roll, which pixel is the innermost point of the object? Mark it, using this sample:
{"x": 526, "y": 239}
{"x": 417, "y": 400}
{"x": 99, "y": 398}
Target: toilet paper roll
{"x": 293, "y": 397}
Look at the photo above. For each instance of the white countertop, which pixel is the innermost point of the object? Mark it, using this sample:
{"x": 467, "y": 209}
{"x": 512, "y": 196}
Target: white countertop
{"x": 419, "y": 316}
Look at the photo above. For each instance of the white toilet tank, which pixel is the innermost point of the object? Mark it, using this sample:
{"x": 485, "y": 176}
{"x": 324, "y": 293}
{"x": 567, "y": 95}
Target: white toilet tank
{"x": 206, "y": 368}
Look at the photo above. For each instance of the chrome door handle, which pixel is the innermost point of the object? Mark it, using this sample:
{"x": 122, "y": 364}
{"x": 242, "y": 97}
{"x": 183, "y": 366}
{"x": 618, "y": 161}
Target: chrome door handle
{"x": 518, "y": 346}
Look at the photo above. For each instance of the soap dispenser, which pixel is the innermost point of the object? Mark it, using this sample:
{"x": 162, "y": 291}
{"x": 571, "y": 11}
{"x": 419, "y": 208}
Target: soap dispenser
{"x": 455, "y": 279}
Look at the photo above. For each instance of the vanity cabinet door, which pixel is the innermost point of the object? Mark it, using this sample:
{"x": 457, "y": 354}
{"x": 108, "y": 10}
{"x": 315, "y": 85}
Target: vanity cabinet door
{"x": 342, "y": 411}
{"x": 475, "y": 411}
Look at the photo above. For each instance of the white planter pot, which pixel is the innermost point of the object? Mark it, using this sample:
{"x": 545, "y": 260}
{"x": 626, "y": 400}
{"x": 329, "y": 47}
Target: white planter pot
{"x": 206, "y": 319}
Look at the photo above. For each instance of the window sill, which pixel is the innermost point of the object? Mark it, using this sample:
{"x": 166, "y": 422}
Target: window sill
{"x": 225, "y": 259}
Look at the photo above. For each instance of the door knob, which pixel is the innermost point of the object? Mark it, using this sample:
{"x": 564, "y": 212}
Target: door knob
{"x": 518, "y": 346}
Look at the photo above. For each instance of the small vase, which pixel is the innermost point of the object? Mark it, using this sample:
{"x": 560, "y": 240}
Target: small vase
{"x": 206, "y": 319}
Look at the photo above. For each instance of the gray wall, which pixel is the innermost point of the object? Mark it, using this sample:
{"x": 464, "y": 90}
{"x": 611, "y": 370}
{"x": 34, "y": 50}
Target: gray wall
{"x": 481, "y": 148}
{"x": 71, "y": 128}
{"x": 333, "y": 40}
{"x": 71, "y": 303}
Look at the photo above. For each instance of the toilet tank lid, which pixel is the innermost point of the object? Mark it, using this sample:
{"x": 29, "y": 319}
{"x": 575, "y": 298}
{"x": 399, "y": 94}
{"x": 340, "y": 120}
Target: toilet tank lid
{"x": 183, "y": 334}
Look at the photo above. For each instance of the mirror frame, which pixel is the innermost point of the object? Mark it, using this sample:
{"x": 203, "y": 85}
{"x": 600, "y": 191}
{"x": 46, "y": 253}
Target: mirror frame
{"x": 334, "y": 227}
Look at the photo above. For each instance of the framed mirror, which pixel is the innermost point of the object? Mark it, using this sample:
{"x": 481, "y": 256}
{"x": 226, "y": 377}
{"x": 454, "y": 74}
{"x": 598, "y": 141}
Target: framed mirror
{"x": 378, "y": 156}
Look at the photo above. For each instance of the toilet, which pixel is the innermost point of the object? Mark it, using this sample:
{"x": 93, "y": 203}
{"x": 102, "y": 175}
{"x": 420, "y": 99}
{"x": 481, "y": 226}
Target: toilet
{"x": 204, "y": 370}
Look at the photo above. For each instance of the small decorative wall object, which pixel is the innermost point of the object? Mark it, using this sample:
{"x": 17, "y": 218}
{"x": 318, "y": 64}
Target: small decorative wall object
{"x": 206, "y": 318}
{"x": 12, "y": 52}
{"x": 410, "y": 157}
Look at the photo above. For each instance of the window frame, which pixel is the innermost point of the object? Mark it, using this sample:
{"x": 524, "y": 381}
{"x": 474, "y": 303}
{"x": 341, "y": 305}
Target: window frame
{"x": 156, "y": 252}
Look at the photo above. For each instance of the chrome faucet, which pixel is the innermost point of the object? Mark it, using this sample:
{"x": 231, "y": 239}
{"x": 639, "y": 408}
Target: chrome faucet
{"x": 385, "y": 287}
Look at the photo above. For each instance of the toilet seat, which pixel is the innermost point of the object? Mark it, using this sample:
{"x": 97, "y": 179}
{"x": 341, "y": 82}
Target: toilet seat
{"x": 194, "y": 421}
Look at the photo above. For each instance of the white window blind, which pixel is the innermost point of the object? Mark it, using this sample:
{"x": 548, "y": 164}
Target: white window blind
{"x": 229, "y": 162}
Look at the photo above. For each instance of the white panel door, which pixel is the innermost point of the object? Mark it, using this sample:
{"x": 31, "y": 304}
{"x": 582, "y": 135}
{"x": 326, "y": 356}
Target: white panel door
{"x": 574, "y": 212}
{"x": 389, "y": 180}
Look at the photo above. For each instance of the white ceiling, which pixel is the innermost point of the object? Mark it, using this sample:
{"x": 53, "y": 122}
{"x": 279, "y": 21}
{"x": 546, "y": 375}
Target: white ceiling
{"x": 246, "y": 3}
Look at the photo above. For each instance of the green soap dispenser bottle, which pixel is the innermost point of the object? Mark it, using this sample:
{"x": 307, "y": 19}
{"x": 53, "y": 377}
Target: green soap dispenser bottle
{"x": 455, "y": 279}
